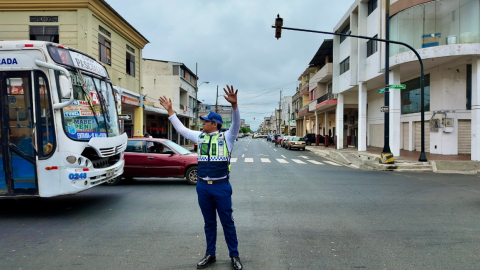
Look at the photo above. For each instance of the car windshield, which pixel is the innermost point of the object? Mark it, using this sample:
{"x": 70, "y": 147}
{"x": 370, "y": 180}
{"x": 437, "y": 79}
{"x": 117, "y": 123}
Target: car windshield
{"x": 298, "y": 139}
{"x": 177, "y": 148}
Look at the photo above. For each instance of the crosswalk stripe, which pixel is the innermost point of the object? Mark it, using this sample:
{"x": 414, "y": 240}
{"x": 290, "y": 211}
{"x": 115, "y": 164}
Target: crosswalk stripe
{"x": 315, "y": 162}
{"x": 233, "y": 160}
{"x": 282, "y": 160}
{"x": 305, "y": 157}
{"x": 265, "y": 160}
{"x": 299, "y": 161}
{"x": 332, "y": 163}
{"x": 248, "y": 159}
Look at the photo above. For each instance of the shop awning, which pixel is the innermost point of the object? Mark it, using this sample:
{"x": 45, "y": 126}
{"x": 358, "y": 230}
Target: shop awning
{"x": 155, "y": 110}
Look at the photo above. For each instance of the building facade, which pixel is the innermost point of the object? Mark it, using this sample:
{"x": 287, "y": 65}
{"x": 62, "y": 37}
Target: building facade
{"x": 224, "y": 111}
{"x": 91, "y": 26}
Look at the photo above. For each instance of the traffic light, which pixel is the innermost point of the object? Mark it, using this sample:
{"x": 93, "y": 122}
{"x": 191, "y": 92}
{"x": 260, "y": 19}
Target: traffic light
{"x": 278, "y": 26}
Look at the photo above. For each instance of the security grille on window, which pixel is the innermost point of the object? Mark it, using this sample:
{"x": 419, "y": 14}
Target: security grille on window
{"x": 345, "y": 31}
{"x": 345, "y": 65}
{"x": 44, "y": 33}
{"x": 372, "y": 5}
{"x": 372, "y": 46}
{"x": 130, "y": 64}
{"x": 104, "y": 50}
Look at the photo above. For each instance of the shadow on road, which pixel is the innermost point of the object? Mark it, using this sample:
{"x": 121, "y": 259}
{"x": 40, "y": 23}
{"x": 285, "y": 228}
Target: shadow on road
{"x": 156, "y": 181}
{"x": 55, "y": 207}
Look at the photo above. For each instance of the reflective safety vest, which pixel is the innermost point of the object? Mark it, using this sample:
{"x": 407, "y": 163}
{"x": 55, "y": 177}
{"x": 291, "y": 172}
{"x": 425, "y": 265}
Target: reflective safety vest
{"x": 213, "y": 157}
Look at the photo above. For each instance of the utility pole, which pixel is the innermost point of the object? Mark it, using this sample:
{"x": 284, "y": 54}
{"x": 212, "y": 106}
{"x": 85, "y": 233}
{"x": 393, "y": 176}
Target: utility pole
{"x": 280, "y": 112}
{"x": 216, "y": 102}
{"x": 196, "y": 96}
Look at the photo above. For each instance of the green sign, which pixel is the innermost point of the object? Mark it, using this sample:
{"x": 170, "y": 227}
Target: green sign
{"x": 397, "y": 86}
{"x": 381, "y": 91}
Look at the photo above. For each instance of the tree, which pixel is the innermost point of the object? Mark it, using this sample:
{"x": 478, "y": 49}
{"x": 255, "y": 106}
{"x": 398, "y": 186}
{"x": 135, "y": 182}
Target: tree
{"x": 245, "y": 130}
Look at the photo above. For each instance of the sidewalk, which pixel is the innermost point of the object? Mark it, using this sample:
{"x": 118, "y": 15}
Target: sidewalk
{"x": 407, "y": 161}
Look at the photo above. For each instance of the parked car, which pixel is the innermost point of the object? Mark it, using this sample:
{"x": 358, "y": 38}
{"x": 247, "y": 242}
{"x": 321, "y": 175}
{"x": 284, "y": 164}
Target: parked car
{"x": 296, "y": 142}
{"x": 285, "y": 140}
{"x": 148, "y": 157}
{"x": 310, "y": 138}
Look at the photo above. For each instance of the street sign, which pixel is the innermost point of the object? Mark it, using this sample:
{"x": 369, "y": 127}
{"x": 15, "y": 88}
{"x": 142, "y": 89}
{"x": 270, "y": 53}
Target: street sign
{"x": 384, "y": 109}
{"x": 397, "y": 86}
{"x": 124, "y": 117}
{"x": 381, "y": 91}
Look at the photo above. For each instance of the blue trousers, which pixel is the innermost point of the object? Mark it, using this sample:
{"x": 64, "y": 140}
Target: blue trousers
{"x": 213, "y": 199}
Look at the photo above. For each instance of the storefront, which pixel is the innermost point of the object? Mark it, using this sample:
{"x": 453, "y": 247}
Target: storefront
{"x": 130, "y": 104}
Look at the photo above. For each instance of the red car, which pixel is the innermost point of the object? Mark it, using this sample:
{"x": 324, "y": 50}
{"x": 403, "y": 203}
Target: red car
{"x": 160, "y": 158}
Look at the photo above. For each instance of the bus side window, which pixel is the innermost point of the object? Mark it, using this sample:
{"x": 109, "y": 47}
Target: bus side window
{"x": 45, "y": 117}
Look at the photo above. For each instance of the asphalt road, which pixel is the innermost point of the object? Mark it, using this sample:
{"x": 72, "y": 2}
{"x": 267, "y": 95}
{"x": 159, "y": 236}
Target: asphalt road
{"x": 308, "y": 213}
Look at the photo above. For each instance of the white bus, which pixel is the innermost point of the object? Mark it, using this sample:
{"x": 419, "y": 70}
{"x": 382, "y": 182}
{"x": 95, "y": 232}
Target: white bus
{"x": 59, "y": 121}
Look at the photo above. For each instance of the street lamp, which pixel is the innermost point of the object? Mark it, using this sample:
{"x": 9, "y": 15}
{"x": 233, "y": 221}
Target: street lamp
{"x": 196, "y": 105}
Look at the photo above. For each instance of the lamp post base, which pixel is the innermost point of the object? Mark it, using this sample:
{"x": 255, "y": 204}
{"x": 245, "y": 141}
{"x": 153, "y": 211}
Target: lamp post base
{"x": 386, "y": 158}
{"x": 423, "y": 157}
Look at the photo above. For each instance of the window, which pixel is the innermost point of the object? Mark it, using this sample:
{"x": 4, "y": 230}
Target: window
{"x": 44, "y": 33}
{"x": 372, "y": 5}
{"x": 345, "y": 65}
{"x": 345, "y": 31}
{"x": 104, "y": 50}
{"x": 130, "y": 65}
{"x": 372, "y": 46}
{"x": 45, "y": 113}
{"x": 134, "y": 146}
{"x": 411, "y": 98}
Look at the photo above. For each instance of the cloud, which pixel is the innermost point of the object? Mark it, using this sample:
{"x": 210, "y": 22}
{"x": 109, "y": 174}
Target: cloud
{"x": 233, "y": 43}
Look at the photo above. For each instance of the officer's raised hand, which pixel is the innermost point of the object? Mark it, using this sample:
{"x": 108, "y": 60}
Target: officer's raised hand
{"x": 167, "y": 104}
{"x": 231, "y": 96}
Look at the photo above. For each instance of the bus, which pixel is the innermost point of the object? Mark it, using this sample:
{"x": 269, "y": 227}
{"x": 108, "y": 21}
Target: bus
{"x": 59, "y": 121}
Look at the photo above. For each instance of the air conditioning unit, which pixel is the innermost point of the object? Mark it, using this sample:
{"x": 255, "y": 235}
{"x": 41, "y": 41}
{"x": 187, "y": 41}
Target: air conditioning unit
{"x": 109, "y": 61}
{"x": 452, "y": 39}
{"x": 448, "y": 122}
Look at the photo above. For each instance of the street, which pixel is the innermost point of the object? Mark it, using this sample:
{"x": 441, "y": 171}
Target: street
{"x": 292, "y": 209}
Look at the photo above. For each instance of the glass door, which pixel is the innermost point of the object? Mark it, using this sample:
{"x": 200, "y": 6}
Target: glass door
{"x": 17, "y": 141}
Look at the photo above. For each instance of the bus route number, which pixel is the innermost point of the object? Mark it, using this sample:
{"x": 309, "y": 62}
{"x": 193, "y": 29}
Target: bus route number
{"x": 76, "y": 176}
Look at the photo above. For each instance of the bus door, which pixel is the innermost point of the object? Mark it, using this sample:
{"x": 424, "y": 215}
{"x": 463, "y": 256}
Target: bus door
{"x": 17, "y": 141}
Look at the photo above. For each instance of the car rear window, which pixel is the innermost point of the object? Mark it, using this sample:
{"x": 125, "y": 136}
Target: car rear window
{"x": 298, "y": 139}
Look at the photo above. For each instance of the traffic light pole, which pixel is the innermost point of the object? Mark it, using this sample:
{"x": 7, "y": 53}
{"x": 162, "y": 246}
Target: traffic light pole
{"x": 422, "y": 157}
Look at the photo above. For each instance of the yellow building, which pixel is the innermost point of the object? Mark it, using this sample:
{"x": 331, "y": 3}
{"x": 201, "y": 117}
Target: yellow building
{"x": 91, "y": 26}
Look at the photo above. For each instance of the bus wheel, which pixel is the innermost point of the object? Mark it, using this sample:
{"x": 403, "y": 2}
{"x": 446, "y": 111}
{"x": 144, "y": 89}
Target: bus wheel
{"x": 114, "y": 181}
{"x": 191, "y": 175}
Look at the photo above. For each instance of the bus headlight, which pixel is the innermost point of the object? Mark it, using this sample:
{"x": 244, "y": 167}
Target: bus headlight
{"x": 79, "y": 160}
{"x": 71, "y": 159}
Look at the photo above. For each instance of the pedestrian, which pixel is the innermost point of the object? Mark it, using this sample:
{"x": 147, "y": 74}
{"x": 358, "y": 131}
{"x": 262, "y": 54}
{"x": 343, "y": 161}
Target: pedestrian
{"x": 213, "y": 186}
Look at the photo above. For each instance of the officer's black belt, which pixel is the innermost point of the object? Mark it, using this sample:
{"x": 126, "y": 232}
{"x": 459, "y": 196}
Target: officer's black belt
{"x": 213, "y": 181}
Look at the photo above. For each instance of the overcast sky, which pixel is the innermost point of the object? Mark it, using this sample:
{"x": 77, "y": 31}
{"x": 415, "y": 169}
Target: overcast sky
{"x": 233, "y": 43}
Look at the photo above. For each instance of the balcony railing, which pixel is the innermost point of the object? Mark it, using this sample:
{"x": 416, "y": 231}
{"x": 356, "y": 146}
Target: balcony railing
{"x": 328, "y": 96}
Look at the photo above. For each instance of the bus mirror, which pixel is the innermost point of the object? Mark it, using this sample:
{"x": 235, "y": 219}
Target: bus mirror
{"x": 65, "y": 87}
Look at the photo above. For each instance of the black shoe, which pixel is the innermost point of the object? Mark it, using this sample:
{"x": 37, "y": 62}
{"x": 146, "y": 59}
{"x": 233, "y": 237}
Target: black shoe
{"x": 237, "y": 265}
{"x": 206, "y": 261}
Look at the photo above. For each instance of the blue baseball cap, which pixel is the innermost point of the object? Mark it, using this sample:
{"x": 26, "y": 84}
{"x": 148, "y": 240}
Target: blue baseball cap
{"x": 212, "y": 116}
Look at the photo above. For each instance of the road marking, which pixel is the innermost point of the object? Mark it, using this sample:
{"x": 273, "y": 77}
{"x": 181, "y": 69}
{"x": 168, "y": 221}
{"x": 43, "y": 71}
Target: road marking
{"x": 299, "y": 161}
{"x": 274, "y": 149}
{"x": 243, "y": 155}
{"x": 248, "y": 159}
{"x": 282, "y": 160}
{"x": 305, "y": 157}
{"x": 332, "y": 163}
{"x": 315, "y": 162}
{"x": 233, "y": 160}
{"x": 284, "y": 156}
{"x": 265, "y": 160}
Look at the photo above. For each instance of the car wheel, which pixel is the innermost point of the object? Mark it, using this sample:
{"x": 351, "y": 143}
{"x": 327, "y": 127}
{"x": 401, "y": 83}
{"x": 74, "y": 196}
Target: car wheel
{"x": 114, "y": 181}
{"x": 191, "y": 175}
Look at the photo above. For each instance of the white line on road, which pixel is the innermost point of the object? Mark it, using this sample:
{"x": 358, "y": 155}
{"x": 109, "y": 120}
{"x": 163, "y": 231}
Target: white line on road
{"x": 332, "y": 163}
{"x": 299, "y": 161}
{"x": 284, "y": 156}
{"x": 265, "y": 160}
{"x": 274, "y": 149}
{"x": 248, "y": 159}
{"x": 233, "y": 160}
{"x": 282, "y": 160}
{"x": 243, "y": 155}
{"x": 305, "y": 157}
{"x": 315, "y": 162}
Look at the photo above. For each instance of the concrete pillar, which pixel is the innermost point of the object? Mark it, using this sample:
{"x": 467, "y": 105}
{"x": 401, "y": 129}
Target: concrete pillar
{"x": 475, "y": 109}
{"x": 317, "y": 130}
{"x": 339, "y": 121}
{"x": 411, "y": 136}
{"x": 362, "y": 116}
{"x": 138, "y": 122}
{"x": 304, "y": 125}
{"x": 394, "y": 113}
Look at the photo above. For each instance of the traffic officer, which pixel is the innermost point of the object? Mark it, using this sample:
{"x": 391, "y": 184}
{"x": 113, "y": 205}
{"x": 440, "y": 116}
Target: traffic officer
{"x": 213, "y": 187}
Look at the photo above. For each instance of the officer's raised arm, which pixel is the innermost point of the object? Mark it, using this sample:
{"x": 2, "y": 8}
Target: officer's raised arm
{"x": 192, "y": 135}
{"x": 231, "y": 97}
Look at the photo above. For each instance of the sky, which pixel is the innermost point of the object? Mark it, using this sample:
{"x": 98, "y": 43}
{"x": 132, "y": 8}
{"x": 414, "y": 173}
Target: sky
{"x": 233, "y": 43}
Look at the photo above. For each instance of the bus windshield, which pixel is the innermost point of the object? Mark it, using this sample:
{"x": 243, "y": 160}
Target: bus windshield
{"x": 93, "y": 112}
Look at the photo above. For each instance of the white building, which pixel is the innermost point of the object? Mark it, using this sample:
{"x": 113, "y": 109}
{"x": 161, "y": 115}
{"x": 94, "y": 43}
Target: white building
{"x": 446, "y": 35}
